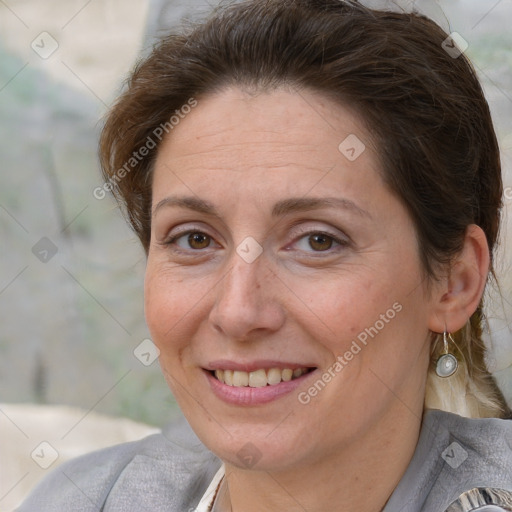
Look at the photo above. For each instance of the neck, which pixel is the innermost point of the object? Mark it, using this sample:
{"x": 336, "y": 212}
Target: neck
{"x": 361, "y": 475}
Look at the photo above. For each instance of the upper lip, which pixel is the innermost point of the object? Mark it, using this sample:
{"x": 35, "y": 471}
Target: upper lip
{"x": 251, "y": 366}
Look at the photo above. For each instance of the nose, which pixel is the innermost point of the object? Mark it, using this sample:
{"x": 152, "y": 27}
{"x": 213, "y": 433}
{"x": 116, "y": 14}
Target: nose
{"x": 246, "y": 303}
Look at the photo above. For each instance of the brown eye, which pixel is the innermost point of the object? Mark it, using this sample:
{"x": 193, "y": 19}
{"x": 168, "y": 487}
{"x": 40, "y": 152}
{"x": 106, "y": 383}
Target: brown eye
{"x": 198, "y": 240}
{"x": 320, "y": 242}
{"x": 190, "y": 241}
{"x": 316, "y": 242}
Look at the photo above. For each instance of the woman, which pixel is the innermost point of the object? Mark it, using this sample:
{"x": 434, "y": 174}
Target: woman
{"x": 317, "y": 188}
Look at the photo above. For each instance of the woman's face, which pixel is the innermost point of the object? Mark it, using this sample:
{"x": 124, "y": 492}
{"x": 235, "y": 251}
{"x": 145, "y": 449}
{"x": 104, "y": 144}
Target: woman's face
{"x": 278, "y": 253}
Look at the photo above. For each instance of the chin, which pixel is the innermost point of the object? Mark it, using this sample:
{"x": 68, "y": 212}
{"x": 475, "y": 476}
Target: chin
{"x": 257, "y": 454}
{"x": 259, "y": 446}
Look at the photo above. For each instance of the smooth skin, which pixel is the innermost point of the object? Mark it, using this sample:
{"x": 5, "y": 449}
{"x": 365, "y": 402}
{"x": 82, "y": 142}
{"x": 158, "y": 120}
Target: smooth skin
{"x": 324, "y": 276}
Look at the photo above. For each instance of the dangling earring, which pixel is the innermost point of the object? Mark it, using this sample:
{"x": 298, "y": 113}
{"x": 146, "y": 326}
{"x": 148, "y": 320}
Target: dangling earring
{"x": 447, "y": 363}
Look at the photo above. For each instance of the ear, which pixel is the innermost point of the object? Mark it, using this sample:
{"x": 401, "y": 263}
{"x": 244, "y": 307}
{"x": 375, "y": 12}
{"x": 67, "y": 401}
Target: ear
{"x": 457, "y": 296}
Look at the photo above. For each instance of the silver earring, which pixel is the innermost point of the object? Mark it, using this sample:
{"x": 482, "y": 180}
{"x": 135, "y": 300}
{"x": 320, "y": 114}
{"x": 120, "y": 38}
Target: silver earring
{"x": 447, "y": 363}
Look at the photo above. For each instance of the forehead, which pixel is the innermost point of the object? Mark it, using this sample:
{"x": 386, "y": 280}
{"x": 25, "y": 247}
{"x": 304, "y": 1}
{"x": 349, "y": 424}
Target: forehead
{"x": 293, "y": 140}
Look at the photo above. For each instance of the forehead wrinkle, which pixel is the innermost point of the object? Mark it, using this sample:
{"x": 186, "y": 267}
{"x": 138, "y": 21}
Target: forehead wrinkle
{"x": 237, "y": 168}
{"x": 286, "y": 147}
{"x": 239, "y": 130}
{"x": 248, "y": 160}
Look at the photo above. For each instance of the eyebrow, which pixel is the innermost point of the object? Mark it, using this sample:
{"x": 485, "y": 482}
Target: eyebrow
{"x": 281, "y": 208}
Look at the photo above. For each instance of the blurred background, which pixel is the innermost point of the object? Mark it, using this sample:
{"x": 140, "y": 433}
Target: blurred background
{"x": 71, "y": 272}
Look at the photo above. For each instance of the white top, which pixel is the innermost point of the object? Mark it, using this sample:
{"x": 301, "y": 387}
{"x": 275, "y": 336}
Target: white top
{"x": 206, "y": 503}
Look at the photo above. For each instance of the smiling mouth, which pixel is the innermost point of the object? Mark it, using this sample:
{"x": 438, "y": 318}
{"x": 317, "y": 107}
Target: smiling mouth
{"x": 259, "y": 378}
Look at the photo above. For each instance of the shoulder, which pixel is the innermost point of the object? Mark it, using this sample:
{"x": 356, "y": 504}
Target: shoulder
{"x": 487, "y": 442}
{"x": 459, "y": 465}
{"x": 167, "y": 471}
{"x": 474, "y": 457}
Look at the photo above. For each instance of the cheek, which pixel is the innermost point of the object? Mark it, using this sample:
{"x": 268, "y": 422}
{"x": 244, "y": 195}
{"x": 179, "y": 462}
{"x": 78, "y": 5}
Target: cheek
{"x": 167, "y": 303}
{"x": 363, "y": 304}
{"x": 340, "y": 305}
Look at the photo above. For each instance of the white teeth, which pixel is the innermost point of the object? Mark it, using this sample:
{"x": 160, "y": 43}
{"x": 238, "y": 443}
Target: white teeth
{"x": 228, "y": 377}
{"x": 240, "y": 378}
{"x": 274, "y": 376}
{"x": 258, "y": 378}
{"x": 287, "y": 374}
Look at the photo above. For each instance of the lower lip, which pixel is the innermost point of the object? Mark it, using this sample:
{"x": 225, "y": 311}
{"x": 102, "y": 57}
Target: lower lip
{"x": 253, "y": 396}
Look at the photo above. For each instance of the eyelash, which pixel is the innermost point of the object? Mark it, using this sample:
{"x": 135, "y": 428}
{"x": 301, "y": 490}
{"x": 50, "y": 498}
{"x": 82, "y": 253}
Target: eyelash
{"x": 172, "y": 241}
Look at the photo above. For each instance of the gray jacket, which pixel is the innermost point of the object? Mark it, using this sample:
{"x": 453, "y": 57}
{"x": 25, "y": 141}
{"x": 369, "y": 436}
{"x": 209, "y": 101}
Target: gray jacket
{"x": 459, "y": 465}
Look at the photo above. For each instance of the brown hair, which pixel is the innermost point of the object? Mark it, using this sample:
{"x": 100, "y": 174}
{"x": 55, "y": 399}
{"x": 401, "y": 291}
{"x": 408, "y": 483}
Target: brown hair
{"x": 424, "y": 110}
